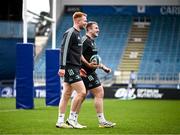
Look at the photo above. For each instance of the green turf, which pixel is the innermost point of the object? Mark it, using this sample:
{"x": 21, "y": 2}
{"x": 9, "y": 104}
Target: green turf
{"x": 132, "y": 117}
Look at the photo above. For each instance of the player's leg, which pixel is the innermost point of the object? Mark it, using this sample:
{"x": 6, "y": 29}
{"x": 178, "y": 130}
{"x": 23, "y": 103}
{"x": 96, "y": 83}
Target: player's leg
{"x": 77, "y": 113}
{"x": 72, "y": 77}
{"x": 98, "y": 93}
{"x": 66, "y": 94}
{"x": 85, "y": 81}
{"x": 77, "y": 101}
{"x": 129, "y": 88}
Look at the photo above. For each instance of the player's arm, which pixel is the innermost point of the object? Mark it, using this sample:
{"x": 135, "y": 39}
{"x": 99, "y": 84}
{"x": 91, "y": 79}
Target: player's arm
{"x": 105, "y": 68}
{"x": 64, "y": 49}
{"x": 92, "y": 65}
{"x": 89, "y": 65}
{"x": 61, "y": 71}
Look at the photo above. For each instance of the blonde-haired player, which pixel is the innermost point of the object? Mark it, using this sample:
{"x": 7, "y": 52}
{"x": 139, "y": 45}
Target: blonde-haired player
{"x": 71, "y": 51}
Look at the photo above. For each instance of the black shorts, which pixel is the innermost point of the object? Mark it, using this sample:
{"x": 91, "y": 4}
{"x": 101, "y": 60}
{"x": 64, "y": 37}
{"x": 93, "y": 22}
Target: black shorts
{"x": 72, "y": 74}
{"x": 91, "y": 81}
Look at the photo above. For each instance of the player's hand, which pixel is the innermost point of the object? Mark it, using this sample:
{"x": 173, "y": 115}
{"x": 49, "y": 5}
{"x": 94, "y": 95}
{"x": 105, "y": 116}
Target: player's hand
{"x": 61, "y": 72}
{"x": 82, "y": 72}
{"x": 106, "y": 69}
{"x": 93, "y": 65}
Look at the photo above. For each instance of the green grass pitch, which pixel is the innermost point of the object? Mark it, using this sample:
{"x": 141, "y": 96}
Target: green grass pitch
{"x": 132, "y": 117}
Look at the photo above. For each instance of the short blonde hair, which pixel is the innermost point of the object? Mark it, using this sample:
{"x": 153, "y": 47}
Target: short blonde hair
{"x": 78, "y": 15}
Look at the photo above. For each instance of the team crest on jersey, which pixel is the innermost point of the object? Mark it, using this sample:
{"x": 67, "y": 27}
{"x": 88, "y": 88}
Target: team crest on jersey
{"x": 79, "y": 41}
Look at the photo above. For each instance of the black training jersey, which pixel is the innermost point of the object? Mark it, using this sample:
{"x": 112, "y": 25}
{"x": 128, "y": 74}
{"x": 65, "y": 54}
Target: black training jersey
{"x": 89, "y": 49}
{"x": 71, "y": 48}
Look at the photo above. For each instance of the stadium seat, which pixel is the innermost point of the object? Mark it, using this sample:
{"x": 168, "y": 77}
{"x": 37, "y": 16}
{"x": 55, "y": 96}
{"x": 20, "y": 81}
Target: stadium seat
{"x": 162, "y": 47}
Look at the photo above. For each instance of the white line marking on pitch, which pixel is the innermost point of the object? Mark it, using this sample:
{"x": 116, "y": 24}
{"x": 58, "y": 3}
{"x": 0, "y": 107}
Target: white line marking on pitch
{"x": 14, "y": 110}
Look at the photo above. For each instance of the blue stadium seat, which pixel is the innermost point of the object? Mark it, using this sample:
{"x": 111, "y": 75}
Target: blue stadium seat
{"x": 111, "y": 41}
{"x": 162, "y": 49}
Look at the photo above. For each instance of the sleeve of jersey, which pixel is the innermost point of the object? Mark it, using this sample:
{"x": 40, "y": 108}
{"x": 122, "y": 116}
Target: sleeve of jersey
{"x": 64, "y": 48}
{"x": 85, "y": 45}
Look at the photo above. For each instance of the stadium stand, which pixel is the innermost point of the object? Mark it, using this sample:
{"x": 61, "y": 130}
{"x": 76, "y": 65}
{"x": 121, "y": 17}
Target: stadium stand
{"x": 112, "y": 39}
{"x": 162, "y": 50}
{"x": 158, "y": 57}
{"x": 134, "y": 49}
{"x": 10, "y": 34}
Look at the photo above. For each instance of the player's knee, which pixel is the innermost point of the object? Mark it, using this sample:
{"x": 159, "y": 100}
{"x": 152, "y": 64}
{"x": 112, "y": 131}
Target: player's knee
{"x": 67, "y": 96}
{"x": 100, "y": 94}
{"x": 82, "y": 95}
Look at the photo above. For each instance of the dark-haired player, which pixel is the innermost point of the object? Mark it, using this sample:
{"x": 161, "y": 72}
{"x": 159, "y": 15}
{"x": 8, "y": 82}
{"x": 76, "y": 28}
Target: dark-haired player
{"x": 90, "y": 79}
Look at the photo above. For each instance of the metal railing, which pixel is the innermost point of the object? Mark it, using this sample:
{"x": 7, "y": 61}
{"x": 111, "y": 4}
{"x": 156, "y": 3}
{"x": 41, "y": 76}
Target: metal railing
{"x": 158, "y": 78}
{"x": 39, "y": 78}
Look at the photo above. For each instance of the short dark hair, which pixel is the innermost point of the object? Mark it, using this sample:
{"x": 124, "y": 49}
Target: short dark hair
{"x": 89, "y": 24}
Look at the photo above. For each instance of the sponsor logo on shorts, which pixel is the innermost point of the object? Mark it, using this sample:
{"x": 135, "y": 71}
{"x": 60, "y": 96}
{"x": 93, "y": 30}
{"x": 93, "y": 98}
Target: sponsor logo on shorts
{"x": 77, "y": 77}
{"x": 70, "y": 72}
{"x": 90, "y": 78}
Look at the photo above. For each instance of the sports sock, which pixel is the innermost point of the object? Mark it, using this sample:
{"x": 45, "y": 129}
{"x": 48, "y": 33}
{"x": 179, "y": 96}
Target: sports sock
{"x": 61, "y": 118}
{"x": 101, "y": 117}
{"x": 72, "y": 115}
{"x": 76, "y": 117}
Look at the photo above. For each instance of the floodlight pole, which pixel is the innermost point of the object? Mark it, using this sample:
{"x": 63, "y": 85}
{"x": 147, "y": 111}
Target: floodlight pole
{"x": 25, "y": 22}
{"x": 54, "y": 25}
